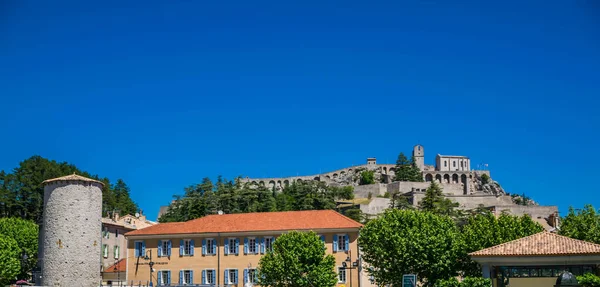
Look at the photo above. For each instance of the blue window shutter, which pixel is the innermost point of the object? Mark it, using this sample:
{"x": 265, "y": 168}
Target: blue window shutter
{"x": 256, "y": 246}
{"x": 214, "y": 247}
{"x": 169, "y": 277}
{"x": 192, "y": 247}
{"x": 143, "y": 248}
{"x": 262, "y": 245}
{"x": 169, "y": 248}
{"x": 181, "y": 277}
{"x": 226, "y": 276}
{"x": 203, "y": 276}
{"x": 226, "y": 246}
{"x": 335, "y": 243}
{"x": 214, "y": 274}
{"x": 245, "y": 276}
{"x": 237, "y": 246}
{"x": 181, "y": 247}
{"x": 160, "y": 251}
{"x": 245, "y": 245}
{"x": 324, "y": 243}
{"x": 159, "y": 276}
{"x": 203, "y": 246}
{"x": 236, "y": 276}
{"x": 191, "y": 276}
{"x": 136, "y": 251}
{"x": 347, "y": 242}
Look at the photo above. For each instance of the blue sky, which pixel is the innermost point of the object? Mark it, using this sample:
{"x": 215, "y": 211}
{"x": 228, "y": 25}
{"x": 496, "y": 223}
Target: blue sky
{"x": 164, "y": 93}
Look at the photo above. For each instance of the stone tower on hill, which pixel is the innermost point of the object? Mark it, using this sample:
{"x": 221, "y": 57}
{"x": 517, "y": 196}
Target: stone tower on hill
{"x": 419, "y": 155}
{"x": 71, "y": 232}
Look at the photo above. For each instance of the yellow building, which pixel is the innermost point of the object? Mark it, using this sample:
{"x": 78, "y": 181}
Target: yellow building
{"x": 537, "y": 260}
{"x": 225, "y": 249}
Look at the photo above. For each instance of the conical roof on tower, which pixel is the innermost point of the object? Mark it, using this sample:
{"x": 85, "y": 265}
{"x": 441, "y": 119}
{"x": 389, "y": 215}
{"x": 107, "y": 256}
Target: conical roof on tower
{"x": 72, "y": 177}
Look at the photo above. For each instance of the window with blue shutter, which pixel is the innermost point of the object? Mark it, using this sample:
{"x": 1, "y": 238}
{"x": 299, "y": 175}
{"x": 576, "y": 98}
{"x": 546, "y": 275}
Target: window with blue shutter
{"x": 347, "y": 239}
{"x": 191, "y": 276}
{"x": 204, "y": 277}
{"x": 335, "y": 243}
{"x": 237, "y": 246}
{"x": 245, "y": 276}
{"x": 138, "y": 249}
{"x": 180, "y": 277}
{"x": 181, "y": 247}
{"x": 192, "y": 247}
{"x": 226, "y": 276}
{"x": 168, "y": 277}
{"x": 246, "y": 245}
{"x": 159, "y": 278}
{"x": 214, "y": 275}
{"x": 256, "y": 246}
{"x": 203, "y": 246}
{"x": 160, "y": 250}
{"x": 169, "y": 248}
{"x": 235, "y": 279}
{"x": 262, "y": 245}
{"x": 226, "y": 246}
{"x": 323, "y": 240}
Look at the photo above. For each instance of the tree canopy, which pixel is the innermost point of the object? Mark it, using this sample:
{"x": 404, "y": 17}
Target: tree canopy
{"x": 25, "y": 234}
{"x": 236, "y": 197}
{"x": 407, "y": 170}
{"x": 411, "y": 242}
{"x": 22, "y": 192}
{"x": 9, "y": 260}
{"x": 582, "y": 224}
{"x": 435, "y": 202}
{"x": 298, "y": 259}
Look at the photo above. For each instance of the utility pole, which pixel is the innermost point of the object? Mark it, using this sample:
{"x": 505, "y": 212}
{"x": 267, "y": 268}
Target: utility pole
{"x": 151, "y": 264}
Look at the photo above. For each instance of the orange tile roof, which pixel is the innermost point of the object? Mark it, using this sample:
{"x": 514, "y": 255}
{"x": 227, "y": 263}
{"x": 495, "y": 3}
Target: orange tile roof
{"x": 541, "y": 244}
{"x": 121, "y": 266}
{"x": 262, "y": 221}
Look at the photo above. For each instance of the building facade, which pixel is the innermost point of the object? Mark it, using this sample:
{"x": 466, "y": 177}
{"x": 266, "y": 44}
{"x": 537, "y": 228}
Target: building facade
{"x": 114, "y": 244}
{"x": 224, "y": 250}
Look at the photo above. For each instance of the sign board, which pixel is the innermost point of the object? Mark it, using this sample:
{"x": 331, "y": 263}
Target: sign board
{"x": 409, "y": 280}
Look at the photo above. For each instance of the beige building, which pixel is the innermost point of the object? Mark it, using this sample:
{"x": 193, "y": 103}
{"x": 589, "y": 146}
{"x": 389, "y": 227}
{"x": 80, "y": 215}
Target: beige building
{"x": 114, "y": 244}
{"x": 537, "y": 260}
{"x": 452, "y": 163}
{"x": 225, "y": 249}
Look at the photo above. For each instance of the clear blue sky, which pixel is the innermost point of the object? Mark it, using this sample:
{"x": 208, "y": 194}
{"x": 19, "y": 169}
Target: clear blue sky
{"x": 164, "y": 93}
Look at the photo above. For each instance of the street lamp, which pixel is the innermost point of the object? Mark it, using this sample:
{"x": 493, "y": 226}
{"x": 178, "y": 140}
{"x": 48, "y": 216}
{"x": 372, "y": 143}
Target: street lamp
{"x": 353, "y": 265}
{"x": 151, "y": 264}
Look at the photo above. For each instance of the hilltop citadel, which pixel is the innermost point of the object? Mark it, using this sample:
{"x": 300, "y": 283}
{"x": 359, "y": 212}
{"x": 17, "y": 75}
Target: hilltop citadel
{"x": 460, "y": 183}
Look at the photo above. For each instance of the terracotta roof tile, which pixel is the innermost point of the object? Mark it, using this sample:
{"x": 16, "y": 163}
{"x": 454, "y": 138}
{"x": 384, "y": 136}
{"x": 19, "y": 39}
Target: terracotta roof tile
{"x": 262, "y": 221}
{"x": 541, "y": 244}
{"x": 121, "y": 266}
{"x": 72, "y": 177}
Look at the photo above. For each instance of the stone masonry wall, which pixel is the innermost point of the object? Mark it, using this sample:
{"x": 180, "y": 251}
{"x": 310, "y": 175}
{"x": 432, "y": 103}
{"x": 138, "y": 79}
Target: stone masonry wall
{"x": 72, "y": 234}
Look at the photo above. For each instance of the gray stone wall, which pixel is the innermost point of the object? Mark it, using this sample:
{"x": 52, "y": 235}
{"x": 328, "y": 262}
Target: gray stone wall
{"x": 72, "y": 234}
{"x": 375, "y": 207}
{"x": 362, "y": 191}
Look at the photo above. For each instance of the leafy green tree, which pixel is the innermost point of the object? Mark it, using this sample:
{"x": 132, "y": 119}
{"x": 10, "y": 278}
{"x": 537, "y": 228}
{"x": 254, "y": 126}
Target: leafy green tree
{"x": 123, "y": 201}
{"x": 298, "y": 259}
{"x": 367, "y": 177}
{"x": 451, "y": 282}
{"x": 355, "y": 214}
{"x": 476, "y": 282}
{"x": 588, "y": 280}
{"x": 415, "y": 172}
{"x": 407, "y": 170}
{"x": 486, "y": 230}
{"x": 411, "y": 242}
{"x": 399, "y": 201}
{"x": 435, "y": 202}
{"x": 485, "y": 179}
{"x": 9, "y": 260}
{"x": 582, "y": 224}
{"x": 25, "y": 233}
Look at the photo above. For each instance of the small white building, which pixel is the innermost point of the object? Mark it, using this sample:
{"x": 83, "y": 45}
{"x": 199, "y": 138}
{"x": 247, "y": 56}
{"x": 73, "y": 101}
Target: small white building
{"x": 452, "y": 163}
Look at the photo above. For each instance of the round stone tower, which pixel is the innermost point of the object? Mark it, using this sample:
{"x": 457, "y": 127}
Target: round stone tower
{"x": 72, "y": 232}
{"x": 419, "y": 155}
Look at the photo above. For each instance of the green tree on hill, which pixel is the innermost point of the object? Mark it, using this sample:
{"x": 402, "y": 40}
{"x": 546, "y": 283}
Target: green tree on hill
{"x": 582, "y": 224}
{"x": 407, "y": 170}
{"x": 435, "y": 202}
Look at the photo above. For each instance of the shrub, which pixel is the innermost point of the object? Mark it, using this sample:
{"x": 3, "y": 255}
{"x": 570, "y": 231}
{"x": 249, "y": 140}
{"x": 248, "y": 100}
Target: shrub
{"x": 589, "y": 280}
{"x": 370, "y": 195}
{"x": 367, "y": 177}
{"x": 485, "y": 179}
{"x": 452, "y": 282}
{"x": 476, "y": 282}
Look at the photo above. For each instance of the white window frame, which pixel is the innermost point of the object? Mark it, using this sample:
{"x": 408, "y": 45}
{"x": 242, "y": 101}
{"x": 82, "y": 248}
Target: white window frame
{"x": 252, "y": 278}
{"x": 230, "y": 278}
{"x": 210, "y": 242}
{"x": 342, "y": 242}
{"x": 106, "y": 234}
{"x": 185, "y": 280}
{"x": 117, "y": 251}
{"x": 165, "y": 247}
{"x": 253, "y": 245}
{"x": 209, "y": 276}
{"x": 342, "y": 269}
{"x": 232, "y": 246}
{"x": 163, "y": 277}
{"x": 105, "y": 250}
{"x": 187, "y": 247}
{"x": 270, "y": 246}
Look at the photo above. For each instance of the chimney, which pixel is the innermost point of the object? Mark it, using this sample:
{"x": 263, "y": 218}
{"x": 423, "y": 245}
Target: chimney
{"x": 116, "y": 216}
